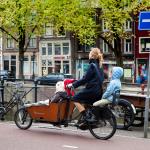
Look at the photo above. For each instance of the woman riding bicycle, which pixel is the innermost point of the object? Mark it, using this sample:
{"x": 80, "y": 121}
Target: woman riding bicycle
{"x": 93, "y": 80}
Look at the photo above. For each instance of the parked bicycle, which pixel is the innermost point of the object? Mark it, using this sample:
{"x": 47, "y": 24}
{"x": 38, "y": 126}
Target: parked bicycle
{"x": 17, "y": 99}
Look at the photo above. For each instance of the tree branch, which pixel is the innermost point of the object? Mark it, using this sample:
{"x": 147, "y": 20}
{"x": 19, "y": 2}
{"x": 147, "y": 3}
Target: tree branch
{"x": 109, "y": 45}
{"x": 30, "y": 38}
{"x": 5, "y": 31}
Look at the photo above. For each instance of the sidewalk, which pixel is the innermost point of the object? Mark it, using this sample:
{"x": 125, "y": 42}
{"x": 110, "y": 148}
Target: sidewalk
{"x": 134, "y": 132}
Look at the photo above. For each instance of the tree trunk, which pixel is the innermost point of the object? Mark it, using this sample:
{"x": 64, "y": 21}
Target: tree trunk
{"x": 117, "y": 51}
{"x": 21, "y": 52}
{"x": 21, "y": 64}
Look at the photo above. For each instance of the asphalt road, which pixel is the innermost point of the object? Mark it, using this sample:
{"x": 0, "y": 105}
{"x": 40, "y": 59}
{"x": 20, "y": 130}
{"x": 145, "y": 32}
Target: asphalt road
{"x": 46, "y": 137}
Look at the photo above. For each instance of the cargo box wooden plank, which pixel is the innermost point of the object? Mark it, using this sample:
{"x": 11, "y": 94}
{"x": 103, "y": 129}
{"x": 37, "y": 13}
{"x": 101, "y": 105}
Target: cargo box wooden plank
{"x": 54, "y": 112}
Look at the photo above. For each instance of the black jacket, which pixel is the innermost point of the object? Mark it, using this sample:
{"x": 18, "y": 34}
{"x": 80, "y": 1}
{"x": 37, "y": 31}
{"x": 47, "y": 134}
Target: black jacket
{"x": 91, "y": 76}
{"x": 92, "y": 81}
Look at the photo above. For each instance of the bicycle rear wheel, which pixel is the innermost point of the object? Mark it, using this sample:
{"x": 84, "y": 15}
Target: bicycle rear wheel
{"x": 104, "y": 128}
{"x": 124, "y": 113}
{"x": 22, "y": 119}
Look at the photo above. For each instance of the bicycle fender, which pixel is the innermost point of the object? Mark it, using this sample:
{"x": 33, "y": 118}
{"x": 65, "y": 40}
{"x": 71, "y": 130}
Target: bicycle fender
{"x": 127, "y": 103}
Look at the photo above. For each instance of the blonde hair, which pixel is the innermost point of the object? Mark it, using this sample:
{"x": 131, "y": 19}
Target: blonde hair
{"x": 95, "y": 53}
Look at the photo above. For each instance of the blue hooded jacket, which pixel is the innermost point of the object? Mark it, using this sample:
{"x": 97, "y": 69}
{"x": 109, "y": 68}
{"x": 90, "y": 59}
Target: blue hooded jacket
{"x": 115, "y": 83}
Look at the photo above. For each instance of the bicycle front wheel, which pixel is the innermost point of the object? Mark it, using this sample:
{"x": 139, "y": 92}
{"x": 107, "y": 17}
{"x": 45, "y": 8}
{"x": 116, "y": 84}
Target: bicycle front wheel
{"x": 104, "y": 129}
{"x": 22, "y": 119}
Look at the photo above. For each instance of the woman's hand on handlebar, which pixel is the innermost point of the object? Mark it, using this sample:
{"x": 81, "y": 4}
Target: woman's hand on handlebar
{"x": 69, "y": 86}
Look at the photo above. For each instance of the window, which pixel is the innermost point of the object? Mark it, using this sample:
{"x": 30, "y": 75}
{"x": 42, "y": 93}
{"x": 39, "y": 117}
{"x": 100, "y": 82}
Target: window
{"x": 10, "y": 42}
{"x": 26, "y": 65}
{"x": 49, "y": 29}
{"x": 33, "y": 57}
{"x": 32, "y": 43}
{"x": 26, "y": 58}
{"x": 128, "y": 25}
{"x": 66, "y": 67}
{"x": 49, "y": 48}
{"x": 6, "y": 62}
{"x": 33, "y": 64}
{"x": 88, "y": 48}
{"x": 84, "y": 47}
{"x": 49, "y": 62}
{"x": 57, "y": 48}
{"x": 57, "y": 66}
{"x": 128, "y": 46}
{"x": 61, "y": 32}
{"x": 144, "y": 45}
{"x": 43, "y": 50}
{"x": 13, "y": 57}
{"x": 105, "y": 48}
{"x": 65, "y": 48}
{"x": 43, "y": 62}
{"x": 13, "y": 65}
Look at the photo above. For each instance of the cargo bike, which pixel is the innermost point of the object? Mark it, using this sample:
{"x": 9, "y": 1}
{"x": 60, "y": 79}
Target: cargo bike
{"x": 63, "y": 113}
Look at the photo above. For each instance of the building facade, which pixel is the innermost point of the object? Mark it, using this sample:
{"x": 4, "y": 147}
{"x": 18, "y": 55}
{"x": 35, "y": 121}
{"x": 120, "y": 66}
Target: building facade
{"x": 10, "y": 57}
{"x": 127, "y": 49}
{"x": 142, "y": 51}
{"x": 62, "y": 53}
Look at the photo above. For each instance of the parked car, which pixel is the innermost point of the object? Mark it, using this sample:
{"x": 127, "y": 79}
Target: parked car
{"x": 5, "y": 74}
{"x": 53, "y": 78}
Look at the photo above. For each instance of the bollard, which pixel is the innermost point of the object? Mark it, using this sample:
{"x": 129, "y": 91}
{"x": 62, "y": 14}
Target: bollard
{"x": 142, "y": 88}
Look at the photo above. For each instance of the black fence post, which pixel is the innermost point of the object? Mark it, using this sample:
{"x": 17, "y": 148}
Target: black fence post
{"x": 2, "y": 91}
{"x": 35, "y": 96}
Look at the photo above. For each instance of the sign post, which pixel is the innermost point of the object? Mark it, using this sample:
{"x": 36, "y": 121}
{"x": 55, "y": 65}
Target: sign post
{"x": 144, "y": 24}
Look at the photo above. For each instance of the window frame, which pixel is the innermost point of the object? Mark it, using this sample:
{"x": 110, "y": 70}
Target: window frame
{"x": 125, "y": 44}
{"x": 48, "y": 26}
{"x": 128, "y": 25}
{"x": 33, "y": 42}
{"x": 140, "y": 45}
{"x": 9, "y": 41}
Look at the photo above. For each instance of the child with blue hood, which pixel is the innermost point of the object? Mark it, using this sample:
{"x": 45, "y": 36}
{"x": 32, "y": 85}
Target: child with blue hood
{"x": 115, "y": 84}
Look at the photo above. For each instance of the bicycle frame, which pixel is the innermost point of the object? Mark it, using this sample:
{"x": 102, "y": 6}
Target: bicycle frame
{"x": 61, "y": 113}
{"x": 15, "y": 99}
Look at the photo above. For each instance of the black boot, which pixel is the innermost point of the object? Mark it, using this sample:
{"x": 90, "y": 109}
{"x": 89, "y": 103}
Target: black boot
{"x": 90, "y": 117}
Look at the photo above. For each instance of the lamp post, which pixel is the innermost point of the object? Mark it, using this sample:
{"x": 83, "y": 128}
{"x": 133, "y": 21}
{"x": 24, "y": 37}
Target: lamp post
{"x": 33, "y": 59}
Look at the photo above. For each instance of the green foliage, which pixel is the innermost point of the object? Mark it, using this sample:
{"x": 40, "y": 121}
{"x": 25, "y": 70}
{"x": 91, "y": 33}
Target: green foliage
{"x": 31, "y": 15}
{"x": 116, "y": 13}
{"x": 21, "y": 14}
{"x": 76, "y": 16}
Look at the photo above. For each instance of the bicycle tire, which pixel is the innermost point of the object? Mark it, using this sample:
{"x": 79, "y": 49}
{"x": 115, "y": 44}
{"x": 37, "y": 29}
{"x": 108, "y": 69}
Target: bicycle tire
{"x": 124, "y": 113}
{"x": 22, "y": 119}
{"x": 106, "y": 127}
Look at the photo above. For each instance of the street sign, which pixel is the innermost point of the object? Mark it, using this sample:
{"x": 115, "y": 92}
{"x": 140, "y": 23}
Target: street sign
{"x": 144, "y": 20}
{"x": 144, "y": 24}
